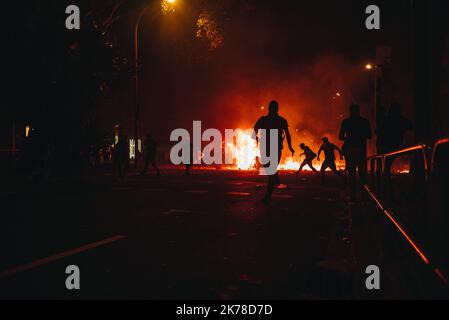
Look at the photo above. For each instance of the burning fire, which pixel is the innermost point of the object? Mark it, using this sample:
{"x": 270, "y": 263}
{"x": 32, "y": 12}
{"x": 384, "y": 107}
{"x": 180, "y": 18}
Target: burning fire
{"x": 246, "y": 155}
{"x": 245, "y": 151}
{"x": 289, "y": 164}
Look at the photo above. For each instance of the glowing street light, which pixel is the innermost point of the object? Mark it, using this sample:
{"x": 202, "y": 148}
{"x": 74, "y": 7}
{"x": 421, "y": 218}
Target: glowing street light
{"x": 168, "y": 6}
{"x": 369, "y": 66}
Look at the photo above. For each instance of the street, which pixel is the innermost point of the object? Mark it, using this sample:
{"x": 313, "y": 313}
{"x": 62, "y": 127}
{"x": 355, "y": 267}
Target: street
{"x": 206, "y": 236}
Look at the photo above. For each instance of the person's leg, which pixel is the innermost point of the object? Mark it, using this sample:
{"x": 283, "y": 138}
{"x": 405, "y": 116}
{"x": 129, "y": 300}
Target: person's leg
{"x": 362, "y": 166}
{"x": 153, "y": 163}
{"x": 119, "y": 168}
{"x": 270, "y": 188}
{"x": 312, "y": 167}
{"x": 301, "y": 167}
{"x": 122, "y": 170}
{"x": 273, "y": 181}
{"x": 351, "y": 166}
{"x": 324, "y": 166}
{"x": 334, "y": 169}
{"x": 145, "y": 166}
{"x": 125, "y": 167}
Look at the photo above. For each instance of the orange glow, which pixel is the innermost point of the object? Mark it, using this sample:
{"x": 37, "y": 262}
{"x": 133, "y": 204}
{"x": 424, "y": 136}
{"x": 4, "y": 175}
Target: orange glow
{"x": 168, "y": 6}
{"x": 244, "y": 151}
{"x": 246, "y": 154}
{"x": 368, "y": 66}
{"x": 290, "y": 165}
{"x": 402, "y": 171}
{"x": 398, "y": 226}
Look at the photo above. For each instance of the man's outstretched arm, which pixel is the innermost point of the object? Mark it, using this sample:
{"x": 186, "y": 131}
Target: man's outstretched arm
{"x": 319, "y": 153}
{"x": 289, "y": 141}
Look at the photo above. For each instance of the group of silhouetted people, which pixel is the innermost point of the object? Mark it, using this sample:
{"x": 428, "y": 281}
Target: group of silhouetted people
{"x": 354, "y": 132}
{"x": 328, "y": 149}
{"x": 121, "y": 155}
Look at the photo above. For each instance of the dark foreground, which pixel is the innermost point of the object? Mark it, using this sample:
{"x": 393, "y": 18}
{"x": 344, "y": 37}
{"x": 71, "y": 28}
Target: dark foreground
{"x": 206, "y": 236}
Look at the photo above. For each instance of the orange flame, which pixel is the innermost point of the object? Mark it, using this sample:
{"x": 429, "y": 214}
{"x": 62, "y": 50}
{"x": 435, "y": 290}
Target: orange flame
{"x": 245, "y": 154}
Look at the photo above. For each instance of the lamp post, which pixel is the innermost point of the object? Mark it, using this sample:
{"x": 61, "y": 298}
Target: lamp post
{"x": 136, "y": 84}
{"x": 137, "y": 112}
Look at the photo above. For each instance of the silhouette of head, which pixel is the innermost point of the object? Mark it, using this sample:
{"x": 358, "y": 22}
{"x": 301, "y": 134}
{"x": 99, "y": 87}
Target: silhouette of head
{"x": 325, "y": 140}
{"x": 273, "y": 108}
{"x": 354, "y": 110}
{"x": 302, "y": 146}
{"x": 395, "y": 110}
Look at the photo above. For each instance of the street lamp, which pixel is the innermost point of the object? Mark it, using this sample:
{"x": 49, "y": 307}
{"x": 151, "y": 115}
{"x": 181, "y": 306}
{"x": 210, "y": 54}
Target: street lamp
{"x": 376, "y": 114}
{"x": 165, "y": 4}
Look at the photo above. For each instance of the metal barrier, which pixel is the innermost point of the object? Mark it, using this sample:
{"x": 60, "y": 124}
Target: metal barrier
{"x": 409, "y": 191}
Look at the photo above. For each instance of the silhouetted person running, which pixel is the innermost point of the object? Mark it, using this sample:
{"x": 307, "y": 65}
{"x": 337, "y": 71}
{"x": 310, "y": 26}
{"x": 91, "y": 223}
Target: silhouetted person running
{"x": 150, "y": 148}
{"x": 121, "y": 156}
{"x": 354, "y": 131}
{"x": 329, "y": 159}
{"x": 273, "y": 121}
{"x": 310, "y": 156}
{"x": 393, "y": 129}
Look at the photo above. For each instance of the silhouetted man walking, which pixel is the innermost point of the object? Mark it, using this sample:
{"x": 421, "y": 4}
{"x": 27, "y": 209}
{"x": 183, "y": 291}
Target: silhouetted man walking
{"x": 121, "y": 156}
{"x": 329, "y": 158}
{"x": 310, "y": 156}
{"x": 150, "y": 146}
{"x": 270, "y": 122}
{"x": 354, "y": 131}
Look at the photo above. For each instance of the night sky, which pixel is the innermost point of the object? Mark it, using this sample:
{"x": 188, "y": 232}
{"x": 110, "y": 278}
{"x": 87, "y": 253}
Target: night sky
{"x": 299, "y": 53}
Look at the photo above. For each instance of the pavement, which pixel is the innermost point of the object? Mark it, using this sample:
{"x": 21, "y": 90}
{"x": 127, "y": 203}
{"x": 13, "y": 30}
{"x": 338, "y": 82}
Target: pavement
{"x": 206, "y": 236}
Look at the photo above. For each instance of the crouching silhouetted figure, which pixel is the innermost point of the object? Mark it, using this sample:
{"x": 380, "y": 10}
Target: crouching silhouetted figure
{"x": 329, "y": 159}
{"x": 310, "y": 156}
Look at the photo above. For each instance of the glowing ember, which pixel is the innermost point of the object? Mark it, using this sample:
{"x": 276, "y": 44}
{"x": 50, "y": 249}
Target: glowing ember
{"x": 401, "y": 171}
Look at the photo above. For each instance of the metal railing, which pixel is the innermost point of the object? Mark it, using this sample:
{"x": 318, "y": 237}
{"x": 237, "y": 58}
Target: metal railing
{"x": 380, "y": 188}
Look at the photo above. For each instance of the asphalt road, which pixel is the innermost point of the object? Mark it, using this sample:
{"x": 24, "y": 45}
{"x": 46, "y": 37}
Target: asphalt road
{"x": 206, "y": 236}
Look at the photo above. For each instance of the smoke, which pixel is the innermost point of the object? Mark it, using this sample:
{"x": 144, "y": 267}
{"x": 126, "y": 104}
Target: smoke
{"x": 284, "y": 56}
{"x": 313, "y": 97}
